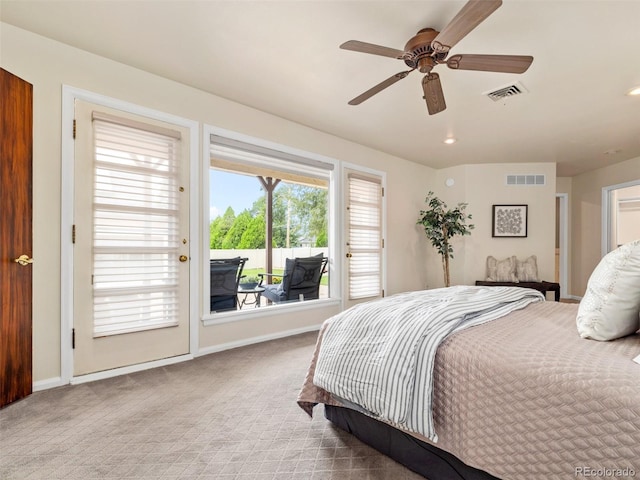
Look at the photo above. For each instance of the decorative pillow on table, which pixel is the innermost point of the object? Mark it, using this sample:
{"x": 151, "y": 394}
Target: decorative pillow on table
{"x": 527, "y": 271}
{"x": 501, "y": 270}
{"x": 611, "y": 305}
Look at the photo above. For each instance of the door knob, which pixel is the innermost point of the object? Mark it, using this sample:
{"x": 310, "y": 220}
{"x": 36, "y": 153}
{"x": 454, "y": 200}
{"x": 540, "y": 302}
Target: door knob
{"x": 23, "y": 260}
{"x": 183, "y": 258}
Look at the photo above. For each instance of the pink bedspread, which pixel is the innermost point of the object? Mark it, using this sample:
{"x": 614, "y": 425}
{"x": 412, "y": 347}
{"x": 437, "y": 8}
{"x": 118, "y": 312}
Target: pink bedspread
{"x": 524, "y": 397}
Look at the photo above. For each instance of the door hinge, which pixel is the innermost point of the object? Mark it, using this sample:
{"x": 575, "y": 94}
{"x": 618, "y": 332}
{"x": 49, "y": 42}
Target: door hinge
{"x": 73, "y": 338}
{"x": 73, "y": 233}
{"x": 74, "y": 128}
{"x": 382, "y": 242}
{"x": 381, "y": 188}
{"x": 383, "y": 292}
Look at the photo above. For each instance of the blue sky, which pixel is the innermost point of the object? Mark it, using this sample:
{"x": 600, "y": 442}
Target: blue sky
{"x": 231, "y": 189}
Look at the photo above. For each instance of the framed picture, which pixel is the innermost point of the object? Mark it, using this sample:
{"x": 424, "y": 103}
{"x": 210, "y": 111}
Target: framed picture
{"x": 509, "y": 221}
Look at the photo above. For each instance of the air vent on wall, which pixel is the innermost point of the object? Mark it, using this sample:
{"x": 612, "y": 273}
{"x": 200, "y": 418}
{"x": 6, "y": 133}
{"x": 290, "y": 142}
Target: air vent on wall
{"x": 506, "y": 92}
{"x": 526, "y": 180}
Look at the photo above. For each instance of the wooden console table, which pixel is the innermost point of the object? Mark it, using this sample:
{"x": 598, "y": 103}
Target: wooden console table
{"x": 542, "y": 287}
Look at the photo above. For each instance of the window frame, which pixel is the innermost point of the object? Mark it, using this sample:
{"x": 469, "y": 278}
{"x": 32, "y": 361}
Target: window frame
{"x": 334, "y": 219}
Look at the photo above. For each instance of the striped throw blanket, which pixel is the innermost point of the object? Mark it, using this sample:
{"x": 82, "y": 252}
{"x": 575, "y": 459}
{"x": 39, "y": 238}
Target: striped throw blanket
{"x": 380, "y": 355}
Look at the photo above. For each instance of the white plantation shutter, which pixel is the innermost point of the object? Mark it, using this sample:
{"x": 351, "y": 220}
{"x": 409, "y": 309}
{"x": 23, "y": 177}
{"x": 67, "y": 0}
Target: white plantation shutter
{"x": 365, "y": 236}
{"x": 136, "y": 229}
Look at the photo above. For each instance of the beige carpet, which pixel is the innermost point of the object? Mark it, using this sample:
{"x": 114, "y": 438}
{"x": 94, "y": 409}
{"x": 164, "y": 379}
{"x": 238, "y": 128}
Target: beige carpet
{"x": 229, "y": 415}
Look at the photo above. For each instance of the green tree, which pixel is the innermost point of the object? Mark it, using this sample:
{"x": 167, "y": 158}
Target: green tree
{"x": 298, "y": 212}
{"x": 254, "y": 234}
{"x": 283, "y": 210}
{"x": 322, "y": 240}
{"x": 219, "y": 228}
{"x": 310, "y": 207}
{"x": 233, "y": 236}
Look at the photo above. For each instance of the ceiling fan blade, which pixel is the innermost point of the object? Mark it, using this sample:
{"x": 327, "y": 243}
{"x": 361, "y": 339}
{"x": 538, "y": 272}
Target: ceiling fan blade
{"x": 378, "y": 88}
{"x": 433, "y": 94}
{"x": 491, "y": 63}
{"x": 471, "y": 15}
{"x": 364, "y": 47}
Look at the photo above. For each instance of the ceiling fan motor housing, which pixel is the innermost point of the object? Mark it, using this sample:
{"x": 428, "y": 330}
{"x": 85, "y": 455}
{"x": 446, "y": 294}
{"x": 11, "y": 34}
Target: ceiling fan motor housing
{"x": 419, "y": 53}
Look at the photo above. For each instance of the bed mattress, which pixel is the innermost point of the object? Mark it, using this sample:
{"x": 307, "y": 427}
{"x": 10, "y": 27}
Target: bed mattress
{"x": 525, "y": 397}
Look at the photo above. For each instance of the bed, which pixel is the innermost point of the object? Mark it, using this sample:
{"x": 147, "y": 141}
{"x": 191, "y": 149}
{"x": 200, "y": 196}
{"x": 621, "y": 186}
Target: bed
{"x": 521, "y": 396}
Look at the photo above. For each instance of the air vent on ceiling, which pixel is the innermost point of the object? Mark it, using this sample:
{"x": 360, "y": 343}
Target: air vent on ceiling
{"x": 526, "y": 180}
{"x": 506, "y": 92}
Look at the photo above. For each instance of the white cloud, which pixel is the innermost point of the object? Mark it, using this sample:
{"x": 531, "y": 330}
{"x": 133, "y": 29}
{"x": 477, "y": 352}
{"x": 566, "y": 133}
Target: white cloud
{"x": 214, "y": 212}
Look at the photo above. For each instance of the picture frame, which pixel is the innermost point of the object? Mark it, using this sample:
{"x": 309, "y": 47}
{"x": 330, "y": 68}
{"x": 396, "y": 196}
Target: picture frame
{"x": 509, "y": 221}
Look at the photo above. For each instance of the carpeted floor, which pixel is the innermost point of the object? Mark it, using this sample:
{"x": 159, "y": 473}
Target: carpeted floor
{"x": 228, "y": 415}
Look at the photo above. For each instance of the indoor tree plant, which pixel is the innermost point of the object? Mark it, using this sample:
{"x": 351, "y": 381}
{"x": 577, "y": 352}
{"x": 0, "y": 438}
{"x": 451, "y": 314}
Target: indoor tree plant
{"x": 441, "y": 224}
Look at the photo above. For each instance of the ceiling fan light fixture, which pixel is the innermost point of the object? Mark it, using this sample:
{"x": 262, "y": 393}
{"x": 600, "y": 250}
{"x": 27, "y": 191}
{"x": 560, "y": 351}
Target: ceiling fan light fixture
{"x": 429, "y": 48}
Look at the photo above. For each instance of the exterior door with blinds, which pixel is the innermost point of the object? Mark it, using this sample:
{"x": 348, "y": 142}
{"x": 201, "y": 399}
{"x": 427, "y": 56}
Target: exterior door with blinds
{"x": 131, "y": 249}
{"x": 364, "y": 239}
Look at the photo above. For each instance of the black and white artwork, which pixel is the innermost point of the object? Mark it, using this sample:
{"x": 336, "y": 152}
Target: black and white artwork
{"x": 509, "y": 221}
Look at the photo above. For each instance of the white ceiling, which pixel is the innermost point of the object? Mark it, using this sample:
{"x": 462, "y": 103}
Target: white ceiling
{"x": 283, "y": 58}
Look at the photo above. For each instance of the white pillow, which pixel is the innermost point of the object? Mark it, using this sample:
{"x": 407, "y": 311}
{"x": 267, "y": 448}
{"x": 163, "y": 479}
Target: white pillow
{"x": 527, "y": 270}
{"x": 501, "y": 271}
{"x": 610, "y": 307}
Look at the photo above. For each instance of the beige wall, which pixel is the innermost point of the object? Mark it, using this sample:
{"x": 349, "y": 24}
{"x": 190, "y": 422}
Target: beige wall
{"x": 482, "y": 186}
{"x": 411, "y": 261}
{"x": 586, "y": 217}
{"x": 49, "y": 65}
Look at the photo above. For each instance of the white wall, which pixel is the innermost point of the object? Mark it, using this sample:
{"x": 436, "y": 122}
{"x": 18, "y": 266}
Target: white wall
{"x": 49, "y": 65}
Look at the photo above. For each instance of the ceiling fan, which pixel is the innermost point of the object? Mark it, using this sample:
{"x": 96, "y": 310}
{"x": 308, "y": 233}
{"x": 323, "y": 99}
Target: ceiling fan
{"x": 429, "y": 48}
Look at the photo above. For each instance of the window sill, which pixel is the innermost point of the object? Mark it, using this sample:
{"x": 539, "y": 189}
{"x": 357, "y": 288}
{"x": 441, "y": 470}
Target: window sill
{"x": 270, "y": 311}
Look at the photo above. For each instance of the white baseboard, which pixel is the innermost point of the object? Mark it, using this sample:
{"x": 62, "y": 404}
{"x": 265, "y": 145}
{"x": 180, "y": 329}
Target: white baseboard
{"x": 573, "y": 297}
{"x": 250, "y": 341}
{"x": 48, "y": 383}
{"x": 92, "y": 377}
{"x": 58, "y": 382}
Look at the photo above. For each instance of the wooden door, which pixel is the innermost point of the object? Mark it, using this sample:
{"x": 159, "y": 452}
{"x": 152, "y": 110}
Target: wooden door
{"x": 16, "y": 127}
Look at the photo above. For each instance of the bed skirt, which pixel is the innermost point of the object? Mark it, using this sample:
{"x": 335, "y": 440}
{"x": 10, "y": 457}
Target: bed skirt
{"x": 418, "y": 456}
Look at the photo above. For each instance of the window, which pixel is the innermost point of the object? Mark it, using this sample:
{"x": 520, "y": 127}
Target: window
{"x": 268, "y": 206}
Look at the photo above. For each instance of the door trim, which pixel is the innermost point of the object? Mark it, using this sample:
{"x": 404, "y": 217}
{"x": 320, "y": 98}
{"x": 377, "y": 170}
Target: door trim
{"x": 69, "y": 95}
{"x": 606, "y": 210}
{"x": 563, "y": 222}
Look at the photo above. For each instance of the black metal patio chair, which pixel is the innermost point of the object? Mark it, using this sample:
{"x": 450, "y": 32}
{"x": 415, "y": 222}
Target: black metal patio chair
{"x": 225, "y": 276}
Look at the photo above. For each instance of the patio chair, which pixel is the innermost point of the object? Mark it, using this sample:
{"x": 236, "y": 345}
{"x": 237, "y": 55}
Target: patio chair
{"x": 225, "y": 275}
{"x": 300, "y": 280}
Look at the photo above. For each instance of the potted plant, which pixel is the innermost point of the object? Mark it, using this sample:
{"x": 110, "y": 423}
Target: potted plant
{"x": 441, "y": 224}
{"x": 250, "y": 281}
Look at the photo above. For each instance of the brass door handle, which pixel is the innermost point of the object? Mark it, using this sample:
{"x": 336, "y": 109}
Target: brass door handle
{"x": 183, "y": 258}
{"x": 24, "y": 260}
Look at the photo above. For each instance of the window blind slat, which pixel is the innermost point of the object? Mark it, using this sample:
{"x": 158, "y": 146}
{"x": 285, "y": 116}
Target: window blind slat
{"x": 136, "y": 226}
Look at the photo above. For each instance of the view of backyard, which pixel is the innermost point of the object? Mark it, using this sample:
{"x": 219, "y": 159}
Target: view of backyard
{"x": 238, "y": 223}
{"x": 238, "y": 210}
